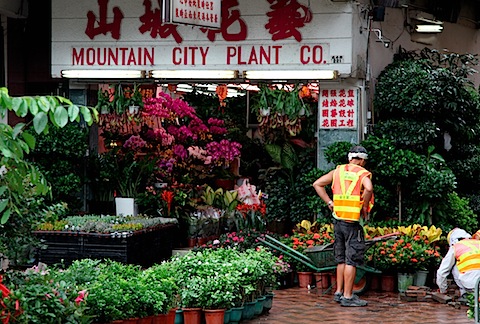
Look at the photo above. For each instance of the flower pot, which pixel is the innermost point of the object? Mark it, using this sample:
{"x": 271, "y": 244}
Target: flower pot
{"x": 333, "y": 282}
{"x": 236, "y": 315}
{"x": 192, "y": 242}
{"x": 171, "y": 316}
{"x": 179, "y": 316}
{"x": 160, "y": 319}
{"x": 130, "y": 321}
{"x": 375, "y": 283}
{"x": 322, "y": 280}
{"x": 304, "y": 279}
{"x": 226, "y": 317}
{"x": 405, "y": 280}
{"x": 192, "y": 315}
{"x": 259, "y": 306}
{"x": 145, "y": 320}
{"x": 388, "y": 283}
{"x": 286, "y": 280}
{"x": 420, "y": 278}
{"x": 268, "y": 303}
{"x": 126, "y": 207}
{"x": 248, "y": 310}
{"x": 214, "y": 316}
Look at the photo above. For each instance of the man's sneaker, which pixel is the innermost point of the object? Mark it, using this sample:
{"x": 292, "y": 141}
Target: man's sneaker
{"x": 353, "y": 302}
{"x": 337, "y": 297}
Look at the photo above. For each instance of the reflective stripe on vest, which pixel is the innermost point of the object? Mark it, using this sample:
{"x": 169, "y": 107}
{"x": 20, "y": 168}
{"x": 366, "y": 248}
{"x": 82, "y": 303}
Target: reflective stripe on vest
{"x": 346, "y": 188}
{"x": 467, "y": 253}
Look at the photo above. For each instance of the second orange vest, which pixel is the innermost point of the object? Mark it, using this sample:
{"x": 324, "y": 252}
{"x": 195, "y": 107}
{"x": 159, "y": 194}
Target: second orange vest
{"x": 467, "y": 253}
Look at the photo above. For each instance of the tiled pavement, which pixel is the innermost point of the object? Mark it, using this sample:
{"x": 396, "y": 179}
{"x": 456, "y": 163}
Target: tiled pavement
{"x": 301, "y": 306}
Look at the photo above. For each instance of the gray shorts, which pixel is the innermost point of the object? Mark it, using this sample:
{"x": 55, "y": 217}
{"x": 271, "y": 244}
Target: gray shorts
{"x": 349, "y": 245}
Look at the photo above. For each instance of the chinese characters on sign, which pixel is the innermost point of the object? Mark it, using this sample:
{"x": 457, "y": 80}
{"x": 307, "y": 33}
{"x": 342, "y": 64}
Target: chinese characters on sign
{"x": 285, "y": 21}
{"x": 338, "y": 108}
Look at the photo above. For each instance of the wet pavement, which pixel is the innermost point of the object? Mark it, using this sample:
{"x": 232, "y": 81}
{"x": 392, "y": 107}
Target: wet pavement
{"x": 303, "y": 306}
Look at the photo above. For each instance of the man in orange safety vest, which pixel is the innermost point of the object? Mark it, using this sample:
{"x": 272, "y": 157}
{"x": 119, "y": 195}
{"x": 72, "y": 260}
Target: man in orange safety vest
{"x": 462, "y": 260}
{"x": 352, "y": 190}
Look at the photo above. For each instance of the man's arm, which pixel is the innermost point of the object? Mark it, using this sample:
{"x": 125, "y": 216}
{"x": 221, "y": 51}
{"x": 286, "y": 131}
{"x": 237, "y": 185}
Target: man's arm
{"x": 319, "y": 186}
{"x": 443, "y": 271}
{"x": 367, "y": 196}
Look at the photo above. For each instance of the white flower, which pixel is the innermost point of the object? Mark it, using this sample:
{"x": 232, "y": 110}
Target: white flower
{"x": 3, "y": 170}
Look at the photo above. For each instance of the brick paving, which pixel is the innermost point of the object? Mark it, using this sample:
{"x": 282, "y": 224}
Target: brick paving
{"x": 303, "y": 306}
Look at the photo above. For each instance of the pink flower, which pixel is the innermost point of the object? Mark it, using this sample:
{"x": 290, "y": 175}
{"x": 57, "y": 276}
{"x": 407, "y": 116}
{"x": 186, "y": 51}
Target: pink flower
{"x": 81, "y": 296}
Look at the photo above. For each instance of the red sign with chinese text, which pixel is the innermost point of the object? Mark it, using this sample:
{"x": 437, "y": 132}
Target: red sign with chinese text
{"x": 338, "y": 108}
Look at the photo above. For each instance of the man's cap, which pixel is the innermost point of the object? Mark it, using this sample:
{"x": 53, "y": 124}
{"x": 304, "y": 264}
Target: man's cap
{"x": 357, "y": 152}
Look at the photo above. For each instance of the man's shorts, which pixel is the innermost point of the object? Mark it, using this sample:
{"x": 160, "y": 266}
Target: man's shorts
{"x": 349, "y": 245}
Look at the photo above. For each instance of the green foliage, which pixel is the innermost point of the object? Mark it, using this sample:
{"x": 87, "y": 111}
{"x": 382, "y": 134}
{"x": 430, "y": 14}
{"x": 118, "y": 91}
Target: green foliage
{"x": 59, "y": 155}
{"x": 337, "y": 152}
{"x": 15, "y": 143}
{"x": 408, "y": 134}
{"x": 420, "y": 98}
{"x": 288, "y": 192}
{"x": 456, "y": 213}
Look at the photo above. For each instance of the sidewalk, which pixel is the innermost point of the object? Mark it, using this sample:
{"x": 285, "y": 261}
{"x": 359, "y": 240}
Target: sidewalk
{"x": 301, "y": 306}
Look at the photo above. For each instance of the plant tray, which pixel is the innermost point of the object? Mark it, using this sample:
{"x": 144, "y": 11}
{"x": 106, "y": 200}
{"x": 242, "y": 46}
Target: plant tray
{"x": 322, "y": 256}
{"x": 145, "y": 247}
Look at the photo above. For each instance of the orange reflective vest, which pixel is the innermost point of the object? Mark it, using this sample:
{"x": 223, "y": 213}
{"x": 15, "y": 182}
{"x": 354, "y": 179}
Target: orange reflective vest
{"x": 467, "y": 253}
{"x": 347, "y": 191}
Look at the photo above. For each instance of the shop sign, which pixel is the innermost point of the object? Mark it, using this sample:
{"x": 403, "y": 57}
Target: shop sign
{"x": 338, "y": 108}
{"x": 252, "y": 35}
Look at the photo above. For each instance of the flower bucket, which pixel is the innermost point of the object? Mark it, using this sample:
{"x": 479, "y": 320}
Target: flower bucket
{"x": 268, "y": 303}
{"x": 236, "y": 315}
{"x": 126, "y": 207}
{"x": 248, "y": 311}
{"x": 179, "y": 316}
{"x": 420, "y": 278}
{"x": 404, "y": 281}
{"x": 259, "y": 305}
{"x": 226, "y": 316}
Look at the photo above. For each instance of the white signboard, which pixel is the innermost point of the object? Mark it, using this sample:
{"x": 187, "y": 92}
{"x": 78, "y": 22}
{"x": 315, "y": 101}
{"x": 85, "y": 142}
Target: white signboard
{"x": 207, "y": 13}
{"x": 337, "y": 108}
{"x": 253, "y": 35}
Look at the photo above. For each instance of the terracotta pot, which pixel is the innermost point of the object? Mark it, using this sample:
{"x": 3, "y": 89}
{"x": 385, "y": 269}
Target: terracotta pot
{"x": 192, "y": 315}
{"x": 171, "y": 316}
{"x": 333, "y": 282}
{"x": 191, "y": 241}
{"x": 322, "y": 280}
{"x": 145, "y": 320}
{"x": 160, "y": 319}
{"x": 375, "y": 283}
{"x": 388, "y": 283}
{"x": 130, "y": 321}
{"x": 214, "y": 316}
{"x": 304, "y": 279}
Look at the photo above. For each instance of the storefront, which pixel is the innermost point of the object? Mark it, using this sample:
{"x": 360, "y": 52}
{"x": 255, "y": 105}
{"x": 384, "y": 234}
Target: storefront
{"x": 232, "y": 42}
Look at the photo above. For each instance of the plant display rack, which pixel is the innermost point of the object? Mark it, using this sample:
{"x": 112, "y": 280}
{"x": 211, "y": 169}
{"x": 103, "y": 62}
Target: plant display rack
{"x": 144, "y": 247}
